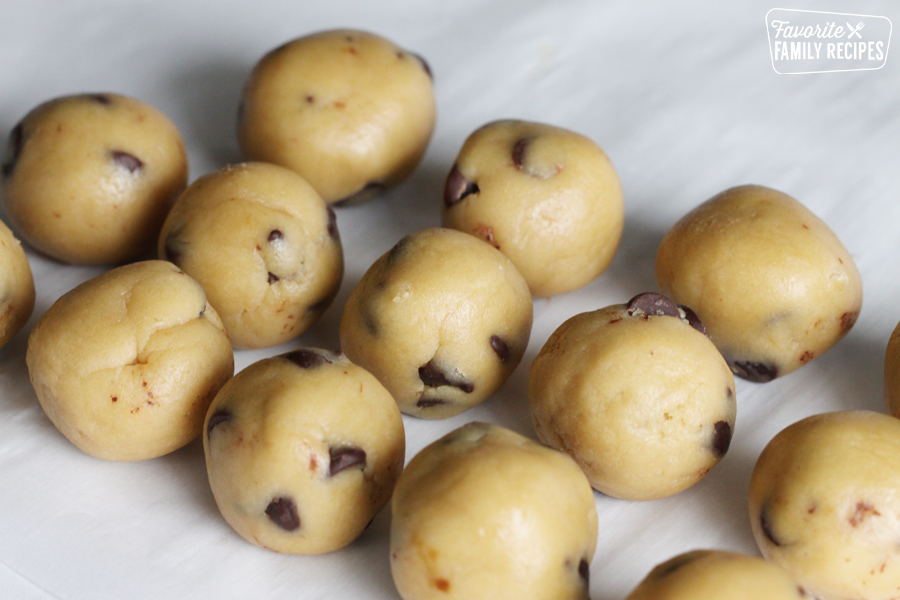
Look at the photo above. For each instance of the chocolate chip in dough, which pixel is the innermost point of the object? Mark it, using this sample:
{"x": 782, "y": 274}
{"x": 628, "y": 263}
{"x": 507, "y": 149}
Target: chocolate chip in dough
{"x": 218, "y": 417}
{"x": 332, "y": 223}
{"x": 275, "y": 235}
{"x": 721, "y": 438}
{"x": 652, "y": 304}
{"x": 127, "y": 161}
{"x": 458, "y": 187}
{"x": 500, "y": 347}
{"x": 432, "y": 376}
{"x": 283, "y": 512}
{"x": 518, "y": 152}
{"x": 693, "y": 320}
{"x": 307, "y": 359}
{"x": 767, "y": 527}
{"x": 584, "y": 570}
{"x": 344, "y": 457}
{"x": 753, "y": 371}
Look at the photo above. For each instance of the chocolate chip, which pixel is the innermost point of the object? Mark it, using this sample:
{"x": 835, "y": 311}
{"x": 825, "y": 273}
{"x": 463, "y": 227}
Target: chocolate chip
{"x": 332, "y": 223}
{"x": 371, "y": 189}
{"x": 722, "y": 438}
{"x": 767, "y": 527}
{"x": 584, "y": 570}
{"x": 848, "y": 319}
{"x": 500, "y": 347}
{"x": 518, "y": 152}
{"x": 652, "y": 304}
{"x": 272, "y": 278}
{"x": 432, "y": 376}
{"x": 101, "y": 98}
{"x": 283, "y": 512}
{"x": 307, "y": 359}
{"x": 397, "y": 250}
{"x": 127, "y": 161}
{"x": 13, "y": 150}
{"x": 753, "y": 371}
{"x": 345, "y": 457}
{"x": 457, "y": 187}
{"x": 429, "y": 402}
{"x": 275, "y": 235}
{"x": 425, "y": 65}
{"x": 202, "y": 312}
{"x": 693, "y": 320}
{"x": 220, "y": 416}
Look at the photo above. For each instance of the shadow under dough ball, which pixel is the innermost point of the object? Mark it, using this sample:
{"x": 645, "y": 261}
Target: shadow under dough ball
{"x": 88, "y": 179}
{"x": 771, "y": 282}
{"x": 348, "y": 110}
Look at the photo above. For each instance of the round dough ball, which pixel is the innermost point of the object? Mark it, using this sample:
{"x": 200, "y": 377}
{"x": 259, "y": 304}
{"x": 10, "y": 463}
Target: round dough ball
{"x": 824, "y": 504}
{"x": 126, "y": 364}
{"x": 637, "y": 394}
{"x": 771, "y": 282}
{"x": 548, "y": 198}
{"x": 263, "y": 245}
{"x": 348, "y": 110}
{"x": 16, "y": 286}
{"x": 88, "y": 179}
{"x": 302, "y": 451}
{"x": 441, "y": 320}
{"x": 717, "y": 575}
{"x": 892, "y": 374}
{"x": 484, "y": 513}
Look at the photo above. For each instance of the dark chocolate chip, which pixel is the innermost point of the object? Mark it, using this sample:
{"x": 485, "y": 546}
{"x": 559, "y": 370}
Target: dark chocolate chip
{"x": 500, "y": 347}
{"x": 220, "y": 416}
{"x": 127, "y": 161}
{"x": 283, "y": 512}
{"x": 584, "y": 570}
{"x": 753, "y": 371}
{"x": 457, "y": 187}
{"x": 371, "y": 189}
{"x": 802, "y": 592}
{"x": 429, "y": 402}
{"x": 13, "y": 150}
{"x": 202, "y": 312}
{"x": 345, "y": 457}
{"x": 721, "y": 438}
{"x": 272, "y": 278}
{"x": 332, "y": 223}
{"x": 101, "y": 98}
{"x": 307, "y": 359}
{"x": 432, "y": 376}
{"x": 275, "y": 235}
{"x": 518, "y": 152}
{"x": 653, "y": 304}
{"x": 693, "y": 320}
{"x": 766, "y": 527}
{"x": 425, "y": 65}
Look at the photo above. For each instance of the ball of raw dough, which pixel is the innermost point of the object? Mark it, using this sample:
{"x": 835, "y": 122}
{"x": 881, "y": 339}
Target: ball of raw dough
{"x": 263, "y": 245}
{"x": 484, "y": 513}
{"x": 88, "y": 179}
{"x": 717, "y": 575}
{"x": 548, "y": 198}
{"x": 126, "y": 364}
{"x": 824, "y": 504}
{"x": 892, "y": 374}
{"x": 348, "y": 110}
{"x": 441, "y": 320}
{"x": 302, "y": 451}
{"x": 637, "y": 394}
{"x": 771, "y": 282}
{"x": 16, "y": 286}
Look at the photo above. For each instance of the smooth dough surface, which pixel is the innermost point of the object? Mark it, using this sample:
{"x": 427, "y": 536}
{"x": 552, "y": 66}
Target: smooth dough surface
{"x": 717, "y": 575}
{"x": 825, "y": 504}
{"x": 16, "y": 286}
{"x": 264, "y": 246}
{"x": 88, "y": 179}
{"x": 441, "y": 320}
{"x": 546, "y": 197}
{"x": 485, "y": 513}
{"x": 302, "y": 451}
{"x": 126, "y": 364}
{"x": 892, "y": 374}
{"x": 771, "y": 282}
{"x": 348, "y": 110}
{"x": 642, "y": 401}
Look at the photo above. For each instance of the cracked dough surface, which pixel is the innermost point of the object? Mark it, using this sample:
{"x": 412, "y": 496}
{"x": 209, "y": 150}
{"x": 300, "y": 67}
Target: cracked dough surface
{"x": 16, "y": 286}
{"x": 126, "y": 364}
{"x": 442, "y": 320}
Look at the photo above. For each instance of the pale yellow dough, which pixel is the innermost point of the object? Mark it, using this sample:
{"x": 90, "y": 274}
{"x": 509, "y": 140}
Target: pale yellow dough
{"x": 644, "y": 403}
{"x": 16, "y": 286}
{"x": 348, "y": 110}
{"x": 546, "y": 197}
{"x": 263, "y": 245}
{"x": 441, "y": 320}
{"x": 771, "y": 282}
{"x": 126, "y": 364}
{"x": 484, "y": 513}
{"x": 825, "y": 504}
{"x": 88, "y": 179}
{"x": 302, "y": 451}
{"x": 717, "y": 575}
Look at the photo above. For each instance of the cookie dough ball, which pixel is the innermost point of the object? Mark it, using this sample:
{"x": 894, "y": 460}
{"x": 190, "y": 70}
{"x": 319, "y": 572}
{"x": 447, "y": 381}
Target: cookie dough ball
{"x": 126, "y": 364}
{"x": 548, "y": 198}
{"x": 717, "y": 575}
{"x": 349, "y": 111}
{"x": 441, "y": 320}
{"x": 263, "y": 245}
{"x": 824, "y": 504}
{"x": 88, "y": 179}
{"x": 16, "y": 286}
{"x": 637, "y": 394}
{"x": 771, "y": 282}
{"x": 892, "y": 374}
{"x": 484, "y": 513}
{"x": 302, "y": 451}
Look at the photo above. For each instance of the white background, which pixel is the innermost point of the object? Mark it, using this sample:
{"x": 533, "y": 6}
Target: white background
{"x": 681, "y": 95}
